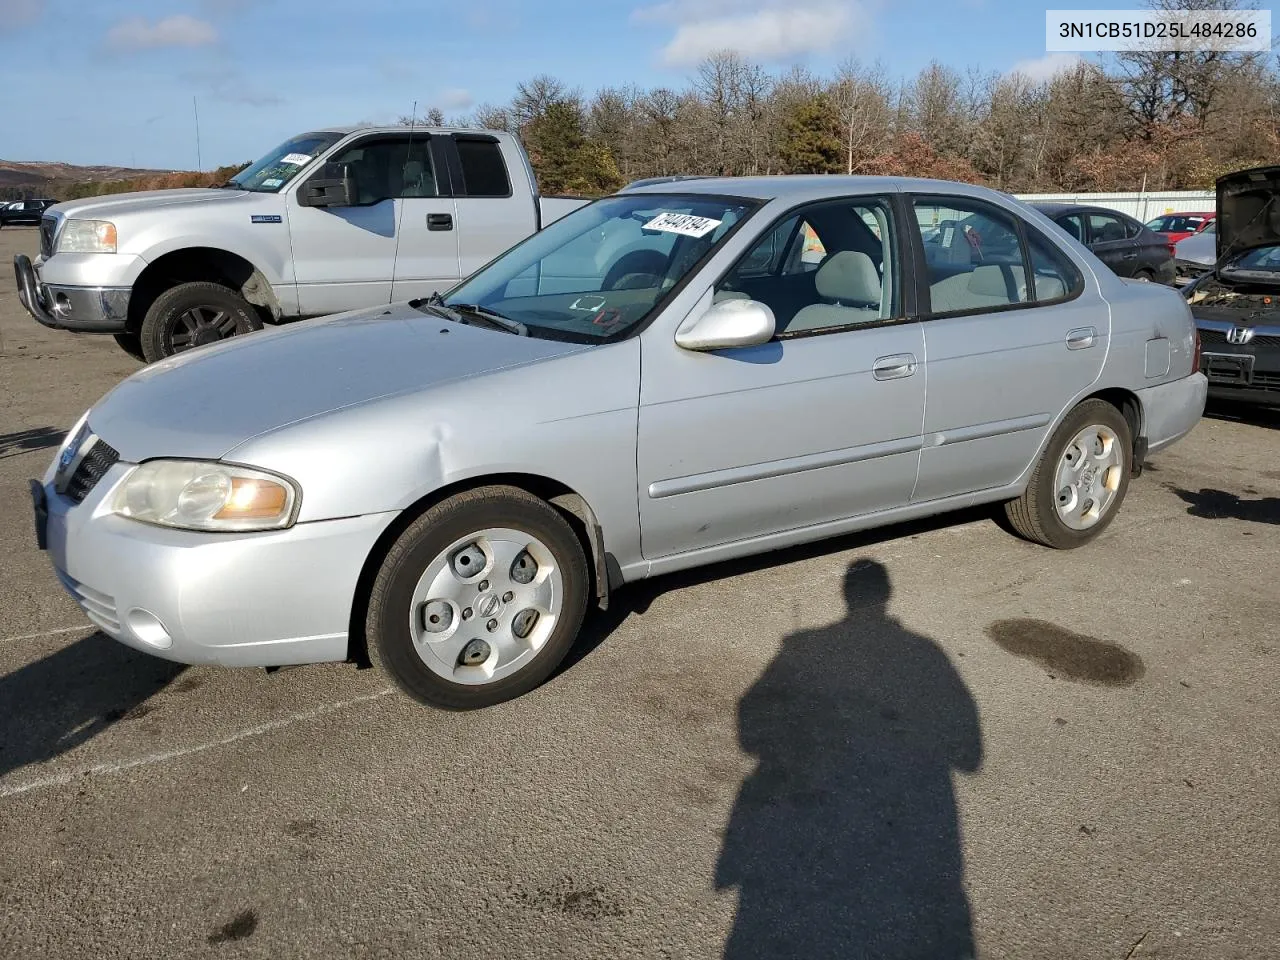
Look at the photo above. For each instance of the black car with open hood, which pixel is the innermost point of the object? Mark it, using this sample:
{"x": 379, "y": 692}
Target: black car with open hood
{"x": 1237, "y": 303}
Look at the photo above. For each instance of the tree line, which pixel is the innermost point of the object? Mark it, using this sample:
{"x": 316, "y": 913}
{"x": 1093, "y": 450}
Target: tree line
{"x": 1159, "y": 121}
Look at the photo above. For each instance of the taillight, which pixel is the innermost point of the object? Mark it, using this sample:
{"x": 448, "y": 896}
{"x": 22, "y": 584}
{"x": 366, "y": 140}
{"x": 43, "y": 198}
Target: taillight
{"x": 1173, "y": 249}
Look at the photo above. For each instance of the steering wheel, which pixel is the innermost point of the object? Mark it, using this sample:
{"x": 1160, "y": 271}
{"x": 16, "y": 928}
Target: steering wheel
{"x": 647, "y": 263}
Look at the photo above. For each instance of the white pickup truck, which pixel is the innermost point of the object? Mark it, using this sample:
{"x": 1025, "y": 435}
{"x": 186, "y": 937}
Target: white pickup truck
{"x": 332, "y": 220}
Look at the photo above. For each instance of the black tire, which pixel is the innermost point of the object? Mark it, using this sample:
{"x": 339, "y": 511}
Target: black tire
{"x": 216, "y": 313}
{"x": 131, "y": 344}
{"x": 387, "y": 627}
{"x": 1145, "y": 275}
{"x": 1034, "y": 516}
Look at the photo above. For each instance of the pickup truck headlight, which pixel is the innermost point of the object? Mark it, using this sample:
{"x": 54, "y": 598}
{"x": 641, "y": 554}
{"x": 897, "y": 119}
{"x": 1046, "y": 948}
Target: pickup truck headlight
{"x": 203, "y": 495}
{"x": 87, "y": 236}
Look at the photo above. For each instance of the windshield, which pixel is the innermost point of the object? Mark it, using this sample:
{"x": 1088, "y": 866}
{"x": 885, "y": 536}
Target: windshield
{"x": 598, "y": 272}
{"x": 1258, "y": 260}
{"x": 282, "y": 164}
{"x": 1175, "y": 224}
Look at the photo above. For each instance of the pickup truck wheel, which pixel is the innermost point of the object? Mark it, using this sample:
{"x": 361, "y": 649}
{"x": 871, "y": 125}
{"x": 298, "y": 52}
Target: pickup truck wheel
{"x": 479, "y": 600}
{"x": 192, "y": 315}
{"x": 1080, "y": 481}
{"x": 131, "y": 344}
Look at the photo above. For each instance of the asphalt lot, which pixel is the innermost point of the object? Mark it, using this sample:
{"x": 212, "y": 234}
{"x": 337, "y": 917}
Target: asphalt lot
{"x": 904, "y": 740}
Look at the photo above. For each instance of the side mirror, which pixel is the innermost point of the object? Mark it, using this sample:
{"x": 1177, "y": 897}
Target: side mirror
{"x": 730, "y": 323}
{"x": 333, "y": 186}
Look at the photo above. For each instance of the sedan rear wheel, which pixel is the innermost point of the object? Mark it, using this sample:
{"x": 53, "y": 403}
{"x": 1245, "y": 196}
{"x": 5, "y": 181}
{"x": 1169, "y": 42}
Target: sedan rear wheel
{"x": 479, "y": 600}
{"x": 1080, "y": 481}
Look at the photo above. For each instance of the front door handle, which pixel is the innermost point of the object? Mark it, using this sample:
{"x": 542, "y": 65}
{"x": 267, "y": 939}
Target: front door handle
{"x": 1081, "y": 337}
{"x": 439, "y": 221}
{"x": 895, "y": 367}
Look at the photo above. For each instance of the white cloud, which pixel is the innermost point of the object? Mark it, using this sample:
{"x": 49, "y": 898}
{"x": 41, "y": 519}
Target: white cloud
{"x": 766, "y": 30}
{"x": 138, "y": 33}
{"x": 1039, "y": 69}
{"x": 455, "y": 98}
{"x": 19, "y": 13}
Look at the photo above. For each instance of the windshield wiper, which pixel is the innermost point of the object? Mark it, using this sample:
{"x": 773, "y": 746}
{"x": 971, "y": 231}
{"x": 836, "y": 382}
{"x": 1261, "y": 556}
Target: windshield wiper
{"x": 459, "y": 313}
{"x": 494, "y": 319}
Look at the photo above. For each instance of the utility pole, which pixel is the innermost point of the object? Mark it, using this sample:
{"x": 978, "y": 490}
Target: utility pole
{"x": 196, "y": 109}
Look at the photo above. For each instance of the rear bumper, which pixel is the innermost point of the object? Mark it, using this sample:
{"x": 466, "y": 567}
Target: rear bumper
{"x": 1172, "y": 409}
{"x": 61, "y": 307}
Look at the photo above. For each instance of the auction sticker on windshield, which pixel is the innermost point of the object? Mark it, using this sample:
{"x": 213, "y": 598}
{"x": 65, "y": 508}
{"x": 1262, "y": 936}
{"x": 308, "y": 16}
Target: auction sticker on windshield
{"x": 682, "y": 223}
{"x": 295, "y": 159}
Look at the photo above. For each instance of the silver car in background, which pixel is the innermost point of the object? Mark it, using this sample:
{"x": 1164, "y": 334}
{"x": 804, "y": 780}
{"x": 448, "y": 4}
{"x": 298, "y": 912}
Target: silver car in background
{"x": 676, "y": 375}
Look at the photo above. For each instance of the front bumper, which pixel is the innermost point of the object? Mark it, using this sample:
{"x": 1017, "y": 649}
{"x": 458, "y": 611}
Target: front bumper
{"x": 260, "y": 599}
{"x": 61, "y": 307}
{"x": 1249, "y": 370}
{"x": 1171, "y": 410}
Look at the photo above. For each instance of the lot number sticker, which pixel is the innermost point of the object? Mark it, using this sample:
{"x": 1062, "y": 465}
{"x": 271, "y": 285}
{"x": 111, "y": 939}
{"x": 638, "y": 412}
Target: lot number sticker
{"x": 296, "y": 159}
{"x": 682, "y": 223}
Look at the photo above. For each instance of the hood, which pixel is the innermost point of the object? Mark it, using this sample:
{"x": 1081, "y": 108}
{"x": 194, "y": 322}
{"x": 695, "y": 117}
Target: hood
{"x": 103, "y": 208}
{"x": 208, "y": 401}
{"x": 1248, "y": 210}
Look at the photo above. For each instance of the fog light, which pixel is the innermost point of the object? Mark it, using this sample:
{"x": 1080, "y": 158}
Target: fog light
{"x": 61, "y": 305}
{"x": 146, "y": 626}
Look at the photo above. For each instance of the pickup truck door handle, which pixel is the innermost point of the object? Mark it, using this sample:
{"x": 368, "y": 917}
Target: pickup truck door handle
{"x": 894, "y": 367}
{"x": 1131, "y": 255}
{"x": 1081, "y": 337}
{"x": 439, "y": 221}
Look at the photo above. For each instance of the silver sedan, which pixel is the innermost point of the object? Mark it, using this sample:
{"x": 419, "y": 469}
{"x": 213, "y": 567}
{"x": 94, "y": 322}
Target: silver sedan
{"x": 676, "y": 375}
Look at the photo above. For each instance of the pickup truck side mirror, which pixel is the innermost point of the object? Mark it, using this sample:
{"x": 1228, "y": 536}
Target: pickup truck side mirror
{"x": 730, "y": 323}
{"x": 333, "y": 186}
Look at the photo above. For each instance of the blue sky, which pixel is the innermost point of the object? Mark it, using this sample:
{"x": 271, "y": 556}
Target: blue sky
{"x": 112, "y": 81}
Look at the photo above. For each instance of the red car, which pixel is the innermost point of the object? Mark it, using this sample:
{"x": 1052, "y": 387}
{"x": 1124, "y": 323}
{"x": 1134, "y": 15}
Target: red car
{"x": 1178, "y": 226}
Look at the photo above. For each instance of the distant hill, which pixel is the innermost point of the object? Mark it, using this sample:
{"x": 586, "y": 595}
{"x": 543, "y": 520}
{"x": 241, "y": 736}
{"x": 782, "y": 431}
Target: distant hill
{"x": 20, "y": 179}
{"x": 67, "y": 181}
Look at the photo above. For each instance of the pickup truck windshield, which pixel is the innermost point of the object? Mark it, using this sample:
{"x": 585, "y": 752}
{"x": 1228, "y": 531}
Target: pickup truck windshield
{"x": 598, "y": 272}
{"x": 283, "y": 163}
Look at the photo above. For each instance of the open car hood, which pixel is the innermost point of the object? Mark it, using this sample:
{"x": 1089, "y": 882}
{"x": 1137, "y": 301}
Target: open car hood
{"x": 1248, "y": 210}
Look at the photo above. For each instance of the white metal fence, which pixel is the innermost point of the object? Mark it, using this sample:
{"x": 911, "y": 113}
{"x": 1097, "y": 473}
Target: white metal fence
{"x": 1143, "y": 206}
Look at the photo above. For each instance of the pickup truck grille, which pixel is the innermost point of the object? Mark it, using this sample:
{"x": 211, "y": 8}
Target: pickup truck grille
{"x": 48, "y": 226}
{"x": 100, "y": 458}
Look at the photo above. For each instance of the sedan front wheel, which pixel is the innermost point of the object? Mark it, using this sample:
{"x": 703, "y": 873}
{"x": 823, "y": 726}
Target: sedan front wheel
{"x": 479, "y": 600}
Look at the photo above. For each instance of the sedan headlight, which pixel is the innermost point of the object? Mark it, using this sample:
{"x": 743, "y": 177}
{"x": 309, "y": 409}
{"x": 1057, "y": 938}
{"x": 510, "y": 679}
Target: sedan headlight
{"x": 203, "y": 495}
{"x": 87, "y": 236}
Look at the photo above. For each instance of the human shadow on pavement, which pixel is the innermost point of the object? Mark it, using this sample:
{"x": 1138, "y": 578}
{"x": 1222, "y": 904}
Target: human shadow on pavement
{"x": 1210, "y": 504}
{"x": 845, "y": 841}
{"x": 69, "y": 697}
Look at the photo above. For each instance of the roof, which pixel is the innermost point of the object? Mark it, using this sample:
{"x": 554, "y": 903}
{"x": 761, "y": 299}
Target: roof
{"x": 800, "y": 187}
{"x": 1058, "y": 207}
{"x": 396, "y": 128}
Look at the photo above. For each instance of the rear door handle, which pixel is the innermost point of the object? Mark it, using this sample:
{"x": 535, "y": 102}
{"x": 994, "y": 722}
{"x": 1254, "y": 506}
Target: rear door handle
{"x": 894, "y": 367}
{"x": 1080, "y": 338}
{"x": 439, "y": 221}
{"x": 1131, "y": 255}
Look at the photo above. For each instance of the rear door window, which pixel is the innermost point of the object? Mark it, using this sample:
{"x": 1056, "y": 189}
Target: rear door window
{"x": 484, "y": 172}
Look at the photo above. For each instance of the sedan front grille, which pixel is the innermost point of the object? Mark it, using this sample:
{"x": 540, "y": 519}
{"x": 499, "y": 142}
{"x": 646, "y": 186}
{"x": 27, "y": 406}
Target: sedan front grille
{"x": 100, "y": 458}
{"x": 48, "y": 227}
{"x": 1220, "y": 336}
